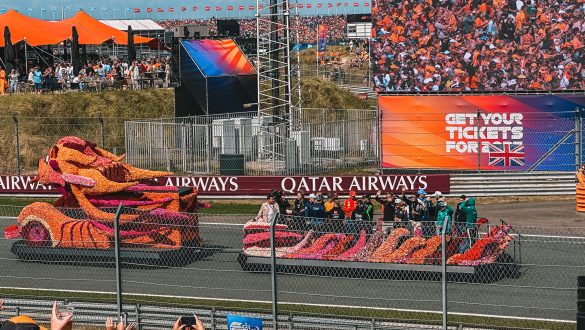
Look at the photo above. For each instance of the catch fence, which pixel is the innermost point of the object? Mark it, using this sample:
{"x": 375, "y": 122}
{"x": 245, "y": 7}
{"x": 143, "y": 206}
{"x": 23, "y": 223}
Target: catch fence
{"x": 393, "y": 274}
{"x": 321, "y": 141}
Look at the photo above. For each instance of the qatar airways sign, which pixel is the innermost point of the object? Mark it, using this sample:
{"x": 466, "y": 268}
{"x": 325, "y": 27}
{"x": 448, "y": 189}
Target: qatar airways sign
{"x": 262, "y": 185}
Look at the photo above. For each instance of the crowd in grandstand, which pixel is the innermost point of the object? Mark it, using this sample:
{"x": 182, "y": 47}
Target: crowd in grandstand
{"x": 424, "y": 215}
{"x": 306, "y": 26}
{"x": 462, "y": 45}
{"x": 102, "y": 74}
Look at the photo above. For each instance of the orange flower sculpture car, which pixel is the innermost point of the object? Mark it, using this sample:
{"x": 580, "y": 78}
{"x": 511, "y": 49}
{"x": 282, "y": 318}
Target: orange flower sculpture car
{"x": 93, "y": 182}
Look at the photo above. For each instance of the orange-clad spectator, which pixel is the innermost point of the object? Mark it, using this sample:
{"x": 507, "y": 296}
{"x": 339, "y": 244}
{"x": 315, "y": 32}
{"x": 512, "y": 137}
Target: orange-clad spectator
{"x": 350, "y": 204}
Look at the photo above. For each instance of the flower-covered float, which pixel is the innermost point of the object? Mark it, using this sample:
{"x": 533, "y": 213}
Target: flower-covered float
{"x": 92, "y": 183}
{"x": 398, "y": 250}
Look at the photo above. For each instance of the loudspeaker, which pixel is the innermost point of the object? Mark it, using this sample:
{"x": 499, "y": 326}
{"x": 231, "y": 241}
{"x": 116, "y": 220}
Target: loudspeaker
{"x": 228, "y": 28}
{"x": 168, "y": 39}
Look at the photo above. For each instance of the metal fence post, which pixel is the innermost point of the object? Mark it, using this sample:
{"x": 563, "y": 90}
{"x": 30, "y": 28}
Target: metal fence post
{"x": 119, "y": 212}
{"x": 273, "y": 272}
{"x": 17, "y": 311}
{"x": 290, "y": 322}
{"x": 137, "y": 312}
{"x": 102, "y": 130}
{"x": 213, "y": 325}
{"x": 478, "y": 141}
{"x": 444, "y": 270}
{"x": 17, "y": 132}
{"x": 578, "y": 138}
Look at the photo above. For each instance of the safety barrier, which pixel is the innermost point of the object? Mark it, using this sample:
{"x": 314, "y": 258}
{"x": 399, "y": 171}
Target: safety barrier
{"x": 509, "y": 184}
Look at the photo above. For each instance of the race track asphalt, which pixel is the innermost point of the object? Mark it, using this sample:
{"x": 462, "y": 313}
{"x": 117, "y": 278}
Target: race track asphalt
{"x": 546, "y": 287}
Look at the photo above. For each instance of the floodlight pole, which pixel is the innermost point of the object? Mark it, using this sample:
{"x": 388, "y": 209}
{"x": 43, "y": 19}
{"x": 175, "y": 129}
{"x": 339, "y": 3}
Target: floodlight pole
{"x": 62, "y": 11}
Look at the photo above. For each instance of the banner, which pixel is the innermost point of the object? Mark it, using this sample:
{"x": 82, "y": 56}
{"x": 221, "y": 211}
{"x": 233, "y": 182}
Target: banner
{"x": 490, "y": 132}
{"x": 262, "y": 185}
{"x": 236, "y": 322}
{"x": 322, "y": 37}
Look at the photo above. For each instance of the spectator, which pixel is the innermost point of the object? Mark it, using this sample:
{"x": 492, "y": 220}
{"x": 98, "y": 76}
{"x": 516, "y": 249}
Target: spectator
{"x": 268, "y": 210}
{"x": 336, "y": 218}
{"x": 349, "y": 205}
{"x": 300, "y": 205}
{"x": 198, "y": 325}
{"x": 387, "y": 210}
{"x": 367, "y": 214}
{"x": 400, "y": 213}
{"x": 3, "y": 81}
{"x": 468, "y": 208}
{"x": 444, "y": 217}
{"x": 330, "y": 203}
{"x": 37, "y": 79}
{"x": 121, "y": 326}
{"x": 317, "y": 214}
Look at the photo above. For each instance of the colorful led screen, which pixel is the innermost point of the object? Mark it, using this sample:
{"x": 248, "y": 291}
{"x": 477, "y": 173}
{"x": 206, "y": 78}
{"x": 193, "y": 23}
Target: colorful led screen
{"x": 485, "y": 132}
{"x": 218, "y": 57}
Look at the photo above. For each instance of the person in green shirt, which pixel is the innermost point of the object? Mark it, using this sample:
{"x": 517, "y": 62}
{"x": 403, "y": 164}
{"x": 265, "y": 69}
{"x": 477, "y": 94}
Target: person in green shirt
{"x": 468, "y": 207}
{"x": 444, "y": 217}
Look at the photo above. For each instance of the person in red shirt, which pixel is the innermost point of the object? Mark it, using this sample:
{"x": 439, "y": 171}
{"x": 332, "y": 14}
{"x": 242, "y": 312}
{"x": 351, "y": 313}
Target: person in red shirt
{"x": 350, "y": 204}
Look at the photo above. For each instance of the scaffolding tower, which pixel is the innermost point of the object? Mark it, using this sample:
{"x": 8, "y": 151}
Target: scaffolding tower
{"x": 278, "y": 79}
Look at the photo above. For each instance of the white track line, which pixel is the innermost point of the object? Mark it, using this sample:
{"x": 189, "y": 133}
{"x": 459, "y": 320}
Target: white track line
{"x": 292, "y": 303}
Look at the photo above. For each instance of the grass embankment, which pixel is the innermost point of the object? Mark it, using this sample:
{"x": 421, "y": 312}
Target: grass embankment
{"x": 43, "y": 119}
{"x": 309, "y": 310}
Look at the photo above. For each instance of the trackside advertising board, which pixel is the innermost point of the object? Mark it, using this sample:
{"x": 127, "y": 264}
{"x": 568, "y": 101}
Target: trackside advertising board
{"x": 262, "y": 185}
{"x": 496, "y": 132}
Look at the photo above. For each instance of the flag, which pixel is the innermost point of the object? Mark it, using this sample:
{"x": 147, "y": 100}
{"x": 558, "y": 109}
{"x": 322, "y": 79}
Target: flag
{"x": 79, "y": 9}
{"x": 339, "y": 4}
{"x": 160, "y": 10}
{"x": 183, "y": 8}
{"x": 104, "y": 9}
{"x": 92, "y": 9}
{"x": 171, "y": 9}
{"x": 54, "y": 9}
{"x": 250, "y": 7}
{"x": 355, "y": 4}
{"x": 319, "y": 5}
{"x": 506, "y": 154}
{"x": 345, "y": 4}
{"x": 230, "y": 7}
{"x": 366, "y": 4}
{"x": 300, "y": 5}
{"x": 195, "y": 8}
{"x": 241, "y": 7}
{"x": 43, "y": 9}
{"x": 149, "y": 10}
{"x": 217, "y": 8}
{"x": 309, "y": 5}
{"x": 136, "y": 10}
{"x": 329, "y": 5}
{"x": 128, "y": 9}
{"x": 207, "y": 8}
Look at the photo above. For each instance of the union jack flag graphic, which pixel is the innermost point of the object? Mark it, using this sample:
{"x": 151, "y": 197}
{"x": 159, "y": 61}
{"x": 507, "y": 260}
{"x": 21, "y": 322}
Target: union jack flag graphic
{"x": 506, "y": 154}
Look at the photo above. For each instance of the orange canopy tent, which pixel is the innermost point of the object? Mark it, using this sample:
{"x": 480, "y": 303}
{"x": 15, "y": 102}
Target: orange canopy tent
{"x": 94, "y": 32}
{"x": 36, "y": 32}
{"x": 40, "y": 33}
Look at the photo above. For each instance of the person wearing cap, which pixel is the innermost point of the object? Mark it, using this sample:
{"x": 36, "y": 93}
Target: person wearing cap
{"x": 444, "y": 217}
{"x": 400, "y": 213}
{"x": 349, "y": 205}
{"x": 317, "y": 214}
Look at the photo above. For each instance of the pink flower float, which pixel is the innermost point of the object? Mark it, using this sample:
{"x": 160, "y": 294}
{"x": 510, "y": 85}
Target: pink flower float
{"x": 405, "y": 250}
{"x": 350, "y": 253}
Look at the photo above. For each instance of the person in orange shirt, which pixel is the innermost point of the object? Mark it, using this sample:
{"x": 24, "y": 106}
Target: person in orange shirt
{"x": 3, "y": 81}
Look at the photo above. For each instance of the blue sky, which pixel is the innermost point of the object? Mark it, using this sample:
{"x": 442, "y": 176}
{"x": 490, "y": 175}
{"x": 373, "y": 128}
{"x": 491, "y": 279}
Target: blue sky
{"x": 119, "y": 9}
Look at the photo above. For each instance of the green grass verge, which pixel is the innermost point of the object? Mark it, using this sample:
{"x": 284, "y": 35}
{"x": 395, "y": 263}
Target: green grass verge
{"x": 9, "y": 207}
{"x": 321, "y": 311}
